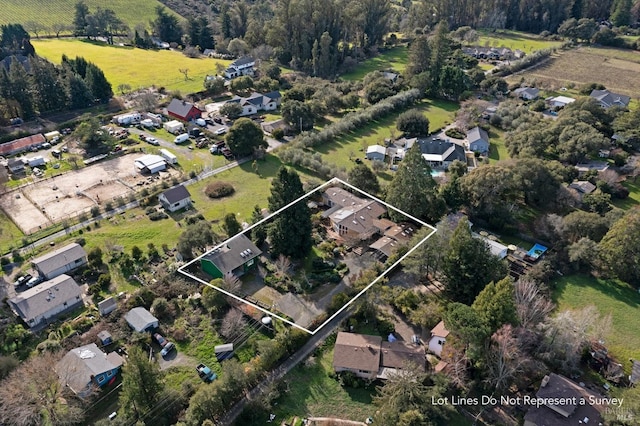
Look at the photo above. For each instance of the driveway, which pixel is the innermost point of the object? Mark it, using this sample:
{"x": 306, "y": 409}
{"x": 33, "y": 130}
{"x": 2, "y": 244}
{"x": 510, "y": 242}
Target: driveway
{"x": 174, "y": 359}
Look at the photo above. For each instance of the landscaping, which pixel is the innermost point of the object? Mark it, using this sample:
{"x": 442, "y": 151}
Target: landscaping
{"x": 135, "y": 67}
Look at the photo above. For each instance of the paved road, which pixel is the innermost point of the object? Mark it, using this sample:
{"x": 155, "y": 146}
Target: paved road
{"x": 302, "y": 354}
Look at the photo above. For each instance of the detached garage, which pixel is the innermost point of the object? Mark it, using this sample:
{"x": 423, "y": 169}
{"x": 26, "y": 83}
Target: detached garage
{"x": 150, "y": 164}
{"x": 141, "y": 320}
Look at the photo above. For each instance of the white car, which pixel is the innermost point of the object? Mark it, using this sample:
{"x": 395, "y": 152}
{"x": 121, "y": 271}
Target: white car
{"x": 221, "y": 131}
{"x": 153, "y": 141}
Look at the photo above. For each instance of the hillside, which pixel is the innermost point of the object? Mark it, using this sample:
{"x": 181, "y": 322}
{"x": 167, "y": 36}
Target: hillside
{"x": 132, "y": 12}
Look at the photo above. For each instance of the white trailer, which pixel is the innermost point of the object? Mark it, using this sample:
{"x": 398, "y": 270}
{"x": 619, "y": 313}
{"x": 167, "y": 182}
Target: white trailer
{"x": 173, "y": 126}
{"x": 169, "y": 156}
{"x": 36, "y": 161}
{"x": 127, "y": 119}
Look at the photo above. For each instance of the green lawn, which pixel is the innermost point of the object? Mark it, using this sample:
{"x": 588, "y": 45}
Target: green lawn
{"x": 634, "y": 196}
{"x": 395, "y": 58}
{"x": 346, "y": 148}
{"x": 497, "y": 149}
{"x": 10, "y": 235}
{"x": 610, "y": 297}
{"x": 514, "y": 40}
{"x": 132, "y": 12}
{"x": 135, "y": 67}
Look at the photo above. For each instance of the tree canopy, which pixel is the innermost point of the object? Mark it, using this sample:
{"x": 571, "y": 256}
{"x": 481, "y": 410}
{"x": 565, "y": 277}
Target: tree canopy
{"x": 244, "y": 137}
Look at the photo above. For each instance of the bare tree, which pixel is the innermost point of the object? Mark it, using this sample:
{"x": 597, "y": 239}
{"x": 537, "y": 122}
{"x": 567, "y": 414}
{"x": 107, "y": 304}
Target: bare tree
{"x": 283, "y": 267}
{"x": 147, "y": 101}
{"x": 532, "y": 306}
{"x": 231, "y": 283}
{"x": 233, "y": 323}
{"x": 185, "y": 72}
{"x": 34, "y": 27}
{"x": 34, "y": 394}
{"x": 59, "y": 27}
{"x": 504, "y": 358}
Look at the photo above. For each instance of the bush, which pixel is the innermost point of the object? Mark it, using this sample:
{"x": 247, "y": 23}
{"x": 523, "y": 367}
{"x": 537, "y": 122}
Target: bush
{"x": 219, "y": 189}
{"x": 158, "y": 216}
{"x": 4, "y": 261}
{"x": 95, "y": 211}
{"x": 413, "y": 123}
{"x": 455, "y": 133}
{"x": 80, "y": 241}
{"x": 277, "y": 134}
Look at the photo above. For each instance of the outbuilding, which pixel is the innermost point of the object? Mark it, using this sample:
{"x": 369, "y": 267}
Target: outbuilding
{"x": 376, "y": 152}
{"x": 183, "y": 110}
{"x": 150, "y": 163}
{"x": 173, "y": 126}
{"x": 175, "y": 198}
{"x": 141, "y": 320}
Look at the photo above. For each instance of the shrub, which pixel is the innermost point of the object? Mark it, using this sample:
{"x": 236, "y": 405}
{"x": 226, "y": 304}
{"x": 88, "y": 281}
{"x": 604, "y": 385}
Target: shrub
{"x": 277, "y": 134}
{"x": 413, "y": 123}
{"x": 455, "y": 133}
{"x": 108, "y": 206}
{"x": 95, "y": 211}
{"x": 4, "y": 261}
{"x": 219, "y": 189}
{"x": 158, "y": 216}
{"x": 80, "y": 241}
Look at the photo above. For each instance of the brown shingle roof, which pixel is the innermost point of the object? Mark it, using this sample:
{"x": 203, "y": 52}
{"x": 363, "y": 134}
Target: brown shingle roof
{"x": 398, "y": 354}
{"x": 357, "y": 352}
{"x": 440, "y": 330}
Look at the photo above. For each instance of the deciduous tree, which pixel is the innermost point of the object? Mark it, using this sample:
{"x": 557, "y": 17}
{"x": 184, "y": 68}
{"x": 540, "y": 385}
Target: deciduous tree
{"x": 495, "y": 304}
{"x": 620, "y": 248}
{"x": 362, "y": 177}
{"x": 244, "y": 137}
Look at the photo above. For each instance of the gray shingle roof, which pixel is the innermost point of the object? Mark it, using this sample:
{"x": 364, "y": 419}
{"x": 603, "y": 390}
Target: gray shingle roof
{"x": 228, "y": 257}
{"x": 477, "y": 134}
{"x": 77, "y": 367}
{"x": 242, "y": 61}
{"x": 176, "y": 194}
{"x": 58, "y": 258}
{"x": 357, "y": 352}
{"x": 609, "y": 98}
{"x": 180, "y": 108}
{"x": 139, "y": 318}
{"x": 40, "y": 299}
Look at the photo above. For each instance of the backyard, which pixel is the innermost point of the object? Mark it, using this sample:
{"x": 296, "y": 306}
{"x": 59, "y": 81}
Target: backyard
{"x": 395, "y": 58}
{"x": 138, "y": 68}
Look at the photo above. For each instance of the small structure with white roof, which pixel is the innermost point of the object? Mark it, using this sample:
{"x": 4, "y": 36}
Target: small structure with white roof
{"x": 150, "y": 163}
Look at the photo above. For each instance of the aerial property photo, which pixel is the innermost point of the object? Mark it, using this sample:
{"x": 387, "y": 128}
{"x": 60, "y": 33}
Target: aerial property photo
{"x": 319, "y": 212}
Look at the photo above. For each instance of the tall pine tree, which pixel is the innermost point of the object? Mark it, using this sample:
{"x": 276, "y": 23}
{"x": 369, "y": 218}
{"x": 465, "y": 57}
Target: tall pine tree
{"x": 290, "y": 232}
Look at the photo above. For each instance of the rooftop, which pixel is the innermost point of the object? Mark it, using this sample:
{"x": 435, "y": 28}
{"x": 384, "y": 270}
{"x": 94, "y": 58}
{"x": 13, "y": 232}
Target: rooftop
{"x": 357, "y": 351}
{"x": 58, "y": 258}
{"x": 176, "y": 194}
{"x": 235, "y": 253}
{"x": 79, "y": 365}
{"x": 37, "y": 301}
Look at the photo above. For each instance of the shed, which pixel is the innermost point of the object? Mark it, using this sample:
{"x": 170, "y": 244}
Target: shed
{"x": 175, "y": 198}
{"x": 105, "y": 338}
{"x": 173, "y": 126}
{"x": 376, "y": 152}
{"x": 21, "y": 145}
{"x": 141, "y": 319}
{"x": 107, "y": 306}
{"x": 50, "y": 135}
{"x": 150, "y": 163}
{"x": 36, "y": 161}
{"x": 223, "y": 351}
{"x": 439, "y": 335}
{"x": 15, "y": 166}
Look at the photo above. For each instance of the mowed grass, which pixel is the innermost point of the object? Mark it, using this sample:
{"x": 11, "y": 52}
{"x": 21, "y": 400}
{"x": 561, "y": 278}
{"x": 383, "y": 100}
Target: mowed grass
{"x": 50, "y": 12}
{"x": 514, "y": 40}
{"x": 582, "y": 66}
{"x": 395, "y": 58}
{"x": 344, "y": 150}
{"x": 138, "y": 68}
{"x": 610, "y": 297}
{"x": 497, "y": 149}
{"x": 10, "y": 234}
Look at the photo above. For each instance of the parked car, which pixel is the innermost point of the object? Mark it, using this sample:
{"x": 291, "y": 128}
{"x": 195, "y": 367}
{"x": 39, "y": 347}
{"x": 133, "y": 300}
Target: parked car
{"x": 22, "y": 280}
{"x": 205, "y": 373}
{"x": 34, "y": 282}
{"x": 161, "y": 340}
{"x": 221, "y": 131}
{"x": 167, "y": 348}
{"x": 153, "y": 141}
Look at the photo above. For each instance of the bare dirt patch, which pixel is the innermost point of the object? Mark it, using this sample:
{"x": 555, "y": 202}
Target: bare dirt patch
{"x": 586, "y": 66}
{"x": 23, "y": 212}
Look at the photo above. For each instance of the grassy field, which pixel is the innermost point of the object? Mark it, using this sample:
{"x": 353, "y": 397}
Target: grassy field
{"x": 580, "y": 66}
{"x": 497, "y": 149}
{"x": 10, "y": 235}
{"x": 132, "y": 12}
{"x": 135, "y": 67}
{"x": 514, "y": 40}
{"x": 395, "y": 58}
{"x": 345, "y": 149}
{"x": 610, "y": 297}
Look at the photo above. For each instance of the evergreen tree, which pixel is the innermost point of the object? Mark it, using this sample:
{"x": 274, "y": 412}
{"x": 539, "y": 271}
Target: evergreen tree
{"x": 98, "y": 84}
{"x": 290, "y": 232}
{"x": 259, "y": 233}
{"x": 419, "y": 56}
{"x": 19, "y": 90}
{"x": 621, "y": 13}
{"x": 231, "y": 225}
{"x": 620, "y": 248}
{"x": 47, "y": 86}
{"x": 468, "y": 265}
{"x": 362, "y": 177}
{"x": 78, "y": 93}
{"x": 80, "y": 19}
{"x": 142, "y": 384}
{"x": 413, "y": 189}
{"x": 495, "y": 304}
{"x": 166, "y": 26}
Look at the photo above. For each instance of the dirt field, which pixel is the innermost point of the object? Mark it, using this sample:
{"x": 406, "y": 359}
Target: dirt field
{"x": 49, "y": 201}
{"x": 586, "y": 66}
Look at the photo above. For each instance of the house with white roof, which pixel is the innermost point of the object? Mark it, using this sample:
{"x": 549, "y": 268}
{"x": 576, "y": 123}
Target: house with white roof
{"x": 560, "y": 101}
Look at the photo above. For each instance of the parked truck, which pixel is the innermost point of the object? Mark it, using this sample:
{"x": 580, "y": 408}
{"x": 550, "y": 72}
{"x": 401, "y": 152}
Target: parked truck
{"x": 205, "y": 373}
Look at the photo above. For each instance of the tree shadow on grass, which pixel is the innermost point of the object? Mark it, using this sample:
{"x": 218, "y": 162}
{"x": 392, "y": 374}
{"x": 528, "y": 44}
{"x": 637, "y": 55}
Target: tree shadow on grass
{"x": 608, "y": 287}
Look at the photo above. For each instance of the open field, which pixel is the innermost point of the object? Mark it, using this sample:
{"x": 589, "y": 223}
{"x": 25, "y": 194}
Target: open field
{"x": 135, "y": 67}
{"x": 10, "y": 234}
{"x": 610, "y": 297}
{"x": 514, "y": 40}
{"x": 582, "y": 66}
{"x": 395, "y": 58}
{"x": 347, "y": 148}
{"x": 132, "y": 12}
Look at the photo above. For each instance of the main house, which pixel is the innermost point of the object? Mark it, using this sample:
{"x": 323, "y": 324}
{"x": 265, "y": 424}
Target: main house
{"x": 478, "y": 140}
{"x": 239, "y": 67}
{"x": 350, "y": 215}
{"x": 609, "y": 99}
{"x": 45, "y": 302}
{"x": 175, "y": 198}
{"x": 86, "y": 366}
{"x": 183, "y": 110}
{"x": 393, "y": 237}
{"x": 369, "y": 357}
{"x": 527, "y": 93}
{"x": 257, "y": 102}
{"x": 440, "y": 154}
{"x": 60, "y": 261}
{"x": 237, "y": 256}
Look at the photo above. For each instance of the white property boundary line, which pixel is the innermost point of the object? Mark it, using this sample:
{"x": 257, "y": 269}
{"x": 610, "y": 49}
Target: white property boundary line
{"x": 382, "y": 275}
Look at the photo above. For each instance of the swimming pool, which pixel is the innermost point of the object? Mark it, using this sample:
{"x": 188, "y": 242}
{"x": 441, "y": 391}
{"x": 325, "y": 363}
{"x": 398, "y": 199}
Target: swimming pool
{"x": 536, "y": 251}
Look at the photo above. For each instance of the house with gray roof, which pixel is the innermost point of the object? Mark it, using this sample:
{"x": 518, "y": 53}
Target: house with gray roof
{"x": 175, "y": 198}
{"x": 183, "y": 110}
{"x": 440, "y": 154}
{"x": 350, "y": 215}
{"x": 236, "y": 256}
{"x": 15, "y": 166}
{"x": 257, "y": 102}
{"x": 239, "y": 67}
{"x": 87, "y": 366}
{"x": 141, "y": 320}
{"x": 108, "y": 305}
{"x": 478, "y": 140}
{"x": 60, "y": 261}
{"x": 527, "y": 93}
{"x": 43, "y": 303}
{"x": 609, "y": 99}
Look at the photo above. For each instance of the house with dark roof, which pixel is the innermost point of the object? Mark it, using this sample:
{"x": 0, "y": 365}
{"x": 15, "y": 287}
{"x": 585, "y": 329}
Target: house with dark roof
{"x": 239, "y": 67}
{"x": 17, "y": 146}
{"x": 141, "y": 320}
{"x": 582, "y": 188}
{"x": 43, "y": 303}
{"x": 183, "y": 110}
{"x": 15, "y": 166}
{"x": 609, "y": 99}
{"x": 350, "y": 215}
{"x": 175, "y": 198}
{"x": 87, "y": 366}
{"x": 439, "y": 335}
{"x": 369, "y": 357}
{"x": 564, "y": 402}
{"x": 257, "y": 102}
{"x": 60, "y": 261}
{"x": 478, "y": 140}
{"x": 440, "y": 154}
{"x": 393, "y": 237}
{"x": 527, "y": 93}
{"x": 237, "y": 256}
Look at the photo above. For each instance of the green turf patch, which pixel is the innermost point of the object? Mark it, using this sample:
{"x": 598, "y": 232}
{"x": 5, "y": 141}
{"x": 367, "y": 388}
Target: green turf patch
{"x": 135, "y": 67}
{"x": 10, "y": 235}
{"x": 395, "y": 58}
{"x": 514, "y": 40}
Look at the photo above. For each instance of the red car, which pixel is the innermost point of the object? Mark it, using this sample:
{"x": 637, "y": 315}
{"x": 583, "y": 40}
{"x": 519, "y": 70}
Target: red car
{"x": 161, "y": 340}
